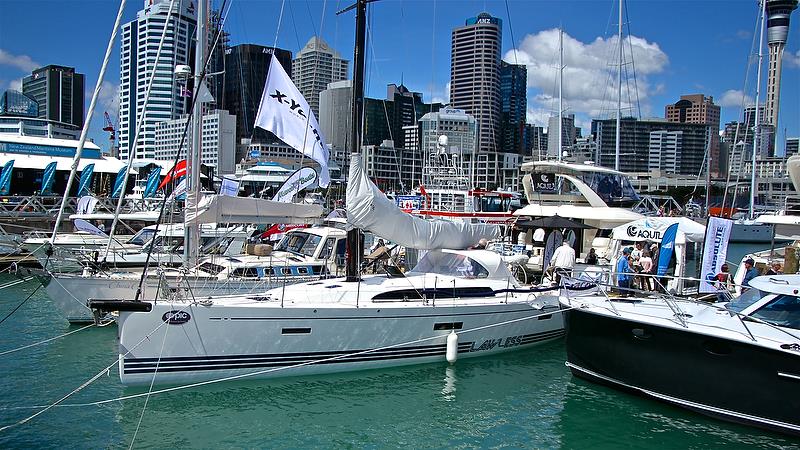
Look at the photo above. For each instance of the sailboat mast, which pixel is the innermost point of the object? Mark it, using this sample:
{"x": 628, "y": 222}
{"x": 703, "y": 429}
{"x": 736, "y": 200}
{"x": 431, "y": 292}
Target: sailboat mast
{"x": 192, "y": 231}
{"x": 756, "y": 122}
{"x": 619, "y": 89}
{"x": 560, "y": 92}
{"x": 354, "y": 249}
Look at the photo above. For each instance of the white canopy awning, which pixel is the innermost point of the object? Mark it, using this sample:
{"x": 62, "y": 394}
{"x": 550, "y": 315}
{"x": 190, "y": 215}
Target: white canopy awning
{"x": 226, "y": 209}
{"x": 21, "y": 161}
{"x": 653, "y": 228}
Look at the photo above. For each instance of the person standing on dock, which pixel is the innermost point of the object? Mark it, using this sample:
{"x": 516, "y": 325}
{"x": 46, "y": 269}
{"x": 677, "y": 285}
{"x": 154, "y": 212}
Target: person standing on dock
{"x": 751, "y": 272}
{"x": 623, "y": 273}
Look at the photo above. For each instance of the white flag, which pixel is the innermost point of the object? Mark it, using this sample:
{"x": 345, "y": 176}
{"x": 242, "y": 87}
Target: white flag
{"x": 229, "y": 187}
{"x": 299, "y": 180}
{"x": 285, "y": 113}
{"x": 718, "y": 232}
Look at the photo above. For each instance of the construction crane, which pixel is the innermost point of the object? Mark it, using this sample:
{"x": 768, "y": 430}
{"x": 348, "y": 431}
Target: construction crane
{"x": 112, "y": 133}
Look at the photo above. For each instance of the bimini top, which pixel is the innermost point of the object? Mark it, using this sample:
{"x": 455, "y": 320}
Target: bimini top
{"x": 464, "y": 263}
{"x": 778, "y": 284}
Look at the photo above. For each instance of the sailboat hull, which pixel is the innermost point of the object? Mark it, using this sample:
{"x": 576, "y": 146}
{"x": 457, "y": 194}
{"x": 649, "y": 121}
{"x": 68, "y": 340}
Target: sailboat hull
{"x": 195, "y": 343}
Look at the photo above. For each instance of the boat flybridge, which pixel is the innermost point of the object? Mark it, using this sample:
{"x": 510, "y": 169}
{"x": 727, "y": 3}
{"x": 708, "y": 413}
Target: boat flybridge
{"x": 582, "y": 192}
{"x": 737, "y": 361}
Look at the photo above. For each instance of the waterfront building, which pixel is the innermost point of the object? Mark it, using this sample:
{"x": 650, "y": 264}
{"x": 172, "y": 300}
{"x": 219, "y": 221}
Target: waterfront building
{"x": 19, "y": 115}
{"x": 568, "y": 134}
{"x": 778, "y": 14}
{"x": 475, "y": 76}
{"x": 697, "y": 108}
{"x": 139, "y": 46}
{"x": 32, "y": 155}
{"x": 218, "y": 149}
{"x": 316, "y": 66}
{"x": 246, "y": 69}
{"x": 635, "y": 143}
{"x": 58, "y": 90}
{"x": 513, "y": 107}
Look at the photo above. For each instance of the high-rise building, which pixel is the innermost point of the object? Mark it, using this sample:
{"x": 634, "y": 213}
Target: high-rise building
{"x": 535, "y": 141}
{"x": 218, "y": 150}
{"x": 697, "y": 108}
{"x": 513, "y": 106}
{"x": 246, "y": 69}
{"x": 475, "y": 76}
{"x": 406, "y": 108}
{"x": 59, "y": 92}
{"x": 447, "y": 163}
{"x": 138, "y": 51}
{"x": 314, "y": 67}
{"x": 641, "y": 138}
{"x": 568, "y": 134}
{"x": 792, "y": 146}
{"x": 778, "y": 13}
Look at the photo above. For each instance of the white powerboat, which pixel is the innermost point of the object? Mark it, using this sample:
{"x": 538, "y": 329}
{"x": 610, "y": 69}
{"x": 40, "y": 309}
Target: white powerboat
{"x": 305, "y": 254}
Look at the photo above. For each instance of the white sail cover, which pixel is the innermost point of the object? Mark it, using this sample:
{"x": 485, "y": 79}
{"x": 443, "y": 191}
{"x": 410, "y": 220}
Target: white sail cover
{"x": 369, "y": 209}
{"x": 227, "y": 209}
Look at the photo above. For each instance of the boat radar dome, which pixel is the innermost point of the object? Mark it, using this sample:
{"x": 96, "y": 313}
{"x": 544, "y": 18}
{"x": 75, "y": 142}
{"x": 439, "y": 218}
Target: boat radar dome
{"x": 183, "y": 72}
{"x": 443, "y": 140}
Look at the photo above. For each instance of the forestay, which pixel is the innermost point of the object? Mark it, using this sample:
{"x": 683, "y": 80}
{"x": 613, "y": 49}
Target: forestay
{"x": 369, "y": 209}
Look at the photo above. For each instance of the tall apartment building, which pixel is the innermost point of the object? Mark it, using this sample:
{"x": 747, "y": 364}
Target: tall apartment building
{"x": 638, "y": 141}
{"x": 138, "y": 51}
{"x": 697, "y": 108}
{"x": 513, "y": 106}
{"x": 792, "y": 146}
{"x": 59, "y": 92}
{"x": 316, "y": 66}
{"x": 475, "y": 76}
{"x": 218, "y": 149}
{"x": 246, "y": 69}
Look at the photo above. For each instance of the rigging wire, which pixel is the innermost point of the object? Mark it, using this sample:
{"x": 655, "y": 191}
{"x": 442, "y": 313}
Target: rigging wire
{"x": 20, "y": 305}
{"x": 200, "y": 80}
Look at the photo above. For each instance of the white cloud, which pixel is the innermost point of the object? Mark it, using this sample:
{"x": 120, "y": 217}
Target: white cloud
{"x": 21, "y": 62}
{"x": 109, "y": 97}
{"x": 732, "y": 98}
{"x": 15, "y": 85}
{"x": 442, "y": 97}
{"x": 538, "y": 116}
{"x": 792, "y": 59}
{"x": 589, "y": 73}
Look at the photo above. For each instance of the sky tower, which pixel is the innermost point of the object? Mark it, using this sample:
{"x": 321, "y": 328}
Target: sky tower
{"x": 778, "y": 12}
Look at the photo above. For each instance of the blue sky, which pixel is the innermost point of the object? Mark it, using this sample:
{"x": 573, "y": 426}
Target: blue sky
{"x": 679, "y": 47}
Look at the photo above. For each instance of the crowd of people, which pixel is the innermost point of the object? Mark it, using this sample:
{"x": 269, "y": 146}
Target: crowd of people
{"x": 636, "y": 268}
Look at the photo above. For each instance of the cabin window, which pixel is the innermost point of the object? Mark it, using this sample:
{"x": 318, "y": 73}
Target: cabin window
{"x": 452, "y": 264}
{"x": 327, "y": 250}
{"x": 448, "y": 326}
{"x": 783, "y": 311}
{"x": 296, "y": 331}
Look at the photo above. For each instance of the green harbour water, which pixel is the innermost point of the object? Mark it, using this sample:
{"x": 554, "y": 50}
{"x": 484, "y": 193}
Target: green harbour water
{"x": 524, "y": 399}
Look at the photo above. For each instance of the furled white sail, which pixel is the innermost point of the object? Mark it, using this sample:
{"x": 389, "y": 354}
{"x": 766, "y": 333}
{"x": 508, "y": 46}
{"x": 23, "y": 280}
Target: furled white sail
{"x": 227, "y": 209}
{"x": 369, "y": 209}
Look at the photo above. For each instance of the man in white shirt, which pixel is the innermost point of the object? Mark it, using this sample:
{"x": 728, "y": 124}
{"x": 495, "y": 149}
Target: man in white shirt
{"x": 562, "y": 261}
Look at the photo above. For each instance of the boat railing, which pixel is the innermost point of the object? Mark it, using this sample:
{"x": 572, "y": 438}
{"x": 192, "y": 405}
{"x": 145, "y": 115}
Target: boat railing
{"x": 791, "y": 205}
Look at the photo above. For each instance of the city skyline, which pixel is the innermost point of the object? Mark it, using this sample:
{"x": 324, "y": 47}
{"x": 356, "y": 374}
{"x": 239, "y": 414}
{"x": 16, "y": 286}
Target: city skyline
{"x": 669, "y": 61}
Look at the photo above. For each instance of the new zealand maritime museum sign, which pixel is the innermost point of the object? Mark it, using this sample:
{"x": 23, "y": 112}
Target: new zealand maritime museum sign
{"x": 46, "y": 150}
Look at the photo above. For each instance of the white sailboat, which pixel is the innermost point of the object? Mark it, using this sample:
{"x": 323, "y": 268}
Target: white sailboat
{"x": 455, "y": 303}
